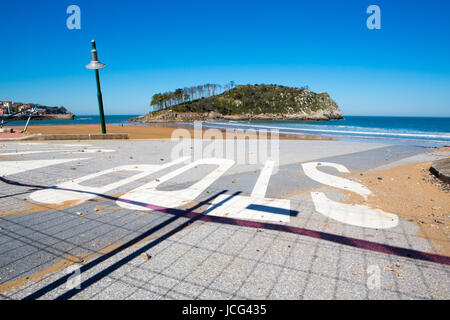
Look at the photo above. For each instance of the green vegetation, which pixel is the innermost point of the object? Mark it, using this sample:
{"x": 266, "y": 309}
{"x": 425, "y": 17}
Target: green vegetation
{"x": 245, "y": 99}
{"x": 166, "y": 100}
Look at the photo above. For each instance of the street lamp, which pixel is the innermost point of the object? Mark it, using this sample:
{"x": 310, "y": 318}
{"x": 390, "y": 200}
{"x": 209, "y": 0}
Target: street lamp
{"x": 96, "y": 65}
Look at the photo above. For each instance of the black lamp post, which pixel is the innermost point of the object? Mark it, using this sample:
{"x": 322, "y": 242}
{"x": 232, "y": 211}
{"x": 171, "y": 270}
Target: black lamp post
{"x": 96, "y": 65}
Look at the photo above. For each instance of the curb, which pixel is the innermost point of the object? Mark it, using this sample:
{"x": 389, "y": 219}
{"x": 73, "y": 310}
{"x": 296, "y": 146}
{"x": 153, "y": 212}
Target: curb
{"x": 441, "y": 169}
{"x": 43, "y": 137}
{"x": 18, "y": 139}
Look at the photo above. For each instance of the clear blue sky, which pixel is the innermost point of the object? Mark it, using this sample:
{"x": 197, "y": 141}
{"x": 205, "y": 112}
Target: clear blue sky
{"x": 154, "y": 46}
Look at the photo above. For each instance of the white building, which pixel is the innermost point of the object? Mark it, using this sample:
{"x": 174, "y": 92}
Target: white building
{"x": 7, "y": 106}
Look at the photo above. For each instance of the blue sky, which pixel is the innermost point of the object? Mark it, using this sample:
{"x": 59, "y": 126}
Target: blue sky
{"x": 154, "y": 46}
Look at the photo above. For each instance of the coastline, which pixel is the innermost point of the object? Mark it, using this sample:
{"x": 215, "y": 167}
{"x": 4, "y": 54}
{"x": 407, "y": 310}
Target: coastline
{"x": 148, "y": 131}
{"x": 52, "y": 117}
{"x": 416, "y": 131}
{"x": 321, "y": 115}
{"x": 426, "y": 132}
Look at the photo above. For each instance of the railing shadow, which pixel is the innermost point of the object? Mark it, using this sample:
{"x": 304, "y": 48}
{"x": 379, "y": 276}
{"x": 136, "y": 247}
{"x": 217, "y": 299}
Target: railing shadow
{"x": 124, "y": 246}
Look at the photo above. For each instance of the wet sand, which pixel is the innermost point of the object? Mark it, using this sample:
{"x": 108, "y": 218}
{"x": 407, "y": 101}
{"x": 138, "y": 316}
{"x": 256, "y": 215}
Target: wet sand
{"x": 151, "y": 131}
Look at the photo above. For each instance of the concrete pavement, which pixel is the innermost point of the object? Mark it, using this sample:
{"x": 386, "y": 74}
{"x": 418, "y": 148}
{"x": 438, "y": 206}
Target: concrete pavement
{"x": 113, "y": 218}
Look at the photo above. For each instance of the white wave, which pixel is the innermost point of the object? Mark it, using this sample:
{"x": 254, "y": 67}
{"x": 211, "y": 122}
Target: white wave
{"x": 385, "y": 133}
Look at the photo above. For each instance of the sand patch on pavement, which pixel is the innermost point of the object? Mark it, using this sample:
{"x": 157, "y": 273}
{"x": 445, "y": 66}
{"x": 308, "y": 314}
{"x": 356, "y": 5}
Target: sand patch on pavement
{"x": 412, "y": 193}
{"x": 292, "y": 194}
{"x": 60, "y": 265}
{"x": 99, "y": 209}
{"x": 34, "y": 207}
{"x": 39, "y": 207}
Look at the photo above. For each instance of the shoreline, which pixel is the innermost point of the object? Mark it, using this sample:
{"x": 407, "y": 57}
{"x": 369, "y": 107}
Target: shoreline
{"x": 140, "y": 130}
{"x": 152, "y": 131}
{"x": 188, "y": 116}
{"x": 44, "y": 117}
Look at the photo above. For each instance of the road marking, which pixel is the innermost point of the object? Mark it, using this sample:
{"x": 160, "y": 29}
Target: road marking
{"x": 84, "y": 193}
{"x": 31, "y": 143}
{"x": 90, "y": 151}
{"x": 12, "y": 167}
{"x": 57, "y": 150}
{"x": 311, "y": 171}
{"x": 242, "y": 207}
{"x": 259, "y": 191}
{"x": 77, "y": 145}
{"x": 172, "y": 199}
{"x": 255, "y": 207}
{"x": 357, "y": 215}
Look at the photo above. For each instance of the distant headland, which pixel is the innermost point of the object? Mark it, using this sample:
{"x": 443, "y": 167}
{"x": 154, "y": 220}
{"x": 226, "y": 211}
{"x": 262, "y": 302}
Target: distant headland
{"x": 8, "y": 108}
{"x": 242, "y": 102}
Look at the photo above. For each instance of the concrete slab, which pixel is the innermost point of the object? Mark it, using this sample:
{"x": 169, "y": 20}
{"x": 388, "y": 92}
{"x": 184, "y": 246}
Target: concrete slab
{"x": 441, "y": 169}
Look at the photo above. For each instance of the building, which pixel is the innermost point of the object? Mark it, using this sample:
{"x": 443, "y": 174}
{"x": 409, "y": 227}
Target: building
{"x": 6, "y": 107}
{"x": 24, "y": 106}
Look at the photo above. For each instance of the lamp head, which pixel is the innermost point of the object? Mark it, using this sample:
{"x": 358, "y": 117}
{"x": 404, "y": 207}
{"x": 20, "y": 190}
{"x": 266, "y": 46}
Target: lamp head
{"x": 95, "y": 64}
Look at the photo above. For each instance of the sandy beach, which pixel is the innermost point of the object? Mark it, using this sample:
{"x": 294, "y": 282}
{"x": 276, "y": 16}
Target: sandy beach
{"x": 151, "y": 131}
{"x": 415, "y": 195}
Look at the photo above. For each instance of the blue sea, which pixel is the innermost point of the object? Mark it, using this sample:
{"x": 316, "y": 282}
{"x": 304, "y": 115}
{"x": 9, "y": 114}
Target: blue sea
{"x": 89, "y": 119}
{"x": 425, "y": 131}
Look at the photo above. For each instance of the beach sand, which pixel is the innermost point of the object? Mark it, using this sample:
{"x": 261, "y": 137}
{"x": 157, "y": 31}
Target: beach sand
{"x": 151, "y": 131}
{"x": 135, "y": 132}
{"x": 411, "y": 192}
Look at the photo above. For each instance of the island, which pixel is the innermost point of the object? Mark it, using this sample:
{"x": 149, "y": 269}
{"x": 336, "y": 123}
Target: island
{"x": 242, "y": 103}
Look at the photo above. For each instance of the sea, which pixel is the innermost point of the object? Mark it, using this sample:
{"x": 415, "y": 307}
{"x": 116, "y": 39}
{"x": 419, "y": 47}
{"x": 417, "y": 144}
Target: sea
{"x": 89, "y": 119}
{"x": 423, "y": 131}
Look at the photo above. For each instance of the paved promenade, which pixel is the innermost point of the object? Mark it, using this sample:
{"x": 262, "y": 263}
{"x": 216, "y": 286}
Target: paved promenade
{"x": 124, "y": 220}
